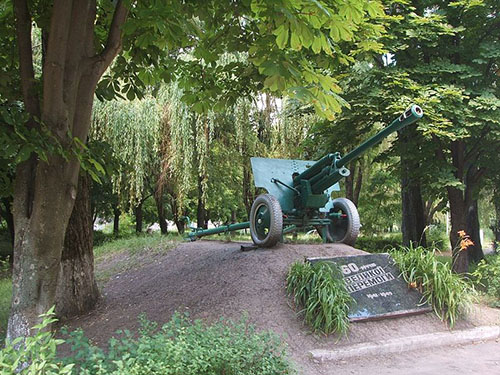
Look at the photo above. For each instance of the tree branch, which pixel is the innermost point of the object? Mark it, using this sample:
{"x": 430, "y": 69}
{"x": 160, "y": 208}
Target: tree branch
{"x": 23, "y": 34}
{"x": 53, "y": 81}
{"x": 114, "y": 42}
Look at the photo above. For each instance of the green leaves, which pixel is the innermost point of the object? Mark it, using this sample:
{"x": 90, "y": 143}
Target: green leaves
{"x": 184, "y": 347}
{"x": 320, "y": 289}
{"x": 36, "y": 354}
{"x": 450, "y": 294}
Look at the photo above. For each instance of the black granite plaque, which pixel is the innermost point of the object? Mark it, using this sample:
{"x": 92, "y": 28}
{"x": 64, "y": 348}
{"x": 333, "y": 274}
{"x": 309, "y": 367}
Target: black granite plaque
{"x": 374, "y": 283}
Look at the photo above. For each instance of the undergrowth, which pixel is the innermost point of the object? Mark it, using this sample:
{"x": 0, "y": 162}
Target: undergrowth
{"x": 183, "y": 347}
{"x": 320, "y": 290}
{"x": 36, "y": 355}
{"x": 5, "y": 297}
{"x": 487, "y": 276}
{"x": 179, "y": 347}
{"x": 451, "y": 295}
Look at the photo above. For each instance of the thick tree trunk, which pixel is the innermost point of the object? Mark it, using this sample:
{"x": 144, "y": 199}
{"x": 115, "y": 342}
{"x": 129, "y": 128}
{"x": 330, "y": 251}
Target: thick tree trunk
{"x": 116, "y": 220}
{"x": 138, "y": 217}
{"x": 413, "y": 218}
{"x": 458, "y": 223}
{"x": 475, "y": 251}
{"x": 77, "y": 291}
{"x": 160, "y": 207}
{"x": 40, "y": 226}
{"x": 44, "y": 192}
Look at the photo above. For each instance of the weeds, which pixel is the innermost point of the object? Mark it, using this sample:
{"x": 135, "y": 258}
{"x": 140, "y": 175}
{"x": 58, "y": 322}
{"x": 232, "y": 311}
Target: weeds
{"x": 183, "y": 347}
{"x": 487, "y": 276}
{"x": 34, "y": 355}
{"x": 319, "y": 288}
{"x": 450, "y": 294}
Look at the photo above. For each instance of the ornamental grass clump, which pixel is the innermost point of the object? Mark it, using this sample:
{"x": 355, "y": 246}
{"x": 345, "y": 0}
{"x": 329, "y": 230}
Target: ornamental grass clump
{"x": 451, "y": 295}
{"x": 320, "y": 290}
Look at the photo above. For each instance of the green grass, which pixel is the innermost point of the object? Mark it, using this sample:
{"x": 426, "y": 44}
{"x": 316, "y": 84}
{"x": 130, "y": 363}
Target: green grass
{"x": 145, "y": 243}
{"x": 320, "y": 290}
{"x": 451, "y": 295}
{"x": 131, "y": 252}
{"x": 5, "y": 296}
{"x": 239, "y": 236}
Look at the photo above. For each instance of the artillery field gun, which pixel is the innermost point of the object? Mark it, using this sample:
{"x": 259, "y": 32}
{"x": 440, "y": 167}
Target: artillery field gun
{"x": 299, "y": 195}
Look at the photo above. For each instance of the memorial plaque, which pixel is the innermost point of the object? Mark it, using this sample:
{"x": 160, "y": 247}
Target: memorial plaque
{"x": 374, "y": 283}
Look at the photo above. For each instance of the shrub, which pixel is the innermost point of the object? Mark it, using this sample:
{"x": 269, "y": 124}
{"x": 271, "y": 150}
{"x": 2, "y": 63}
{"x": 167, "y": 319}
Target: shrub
{"x": 36, "y": 355}
{"x": 320, "y": 289}
{"x": 380, "y": 244}
{"x": 450, "y": 294}
{"x": 487, "y": 276}
{"x": 5, "y": 297}
{"x": 183, "y": 347}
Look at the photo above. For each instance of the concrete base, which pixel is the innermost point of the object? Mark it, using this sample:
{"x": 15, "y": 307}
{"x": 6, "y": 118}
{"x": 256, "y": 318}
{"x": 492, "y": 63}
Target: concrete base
{"x": 403, "y": 344}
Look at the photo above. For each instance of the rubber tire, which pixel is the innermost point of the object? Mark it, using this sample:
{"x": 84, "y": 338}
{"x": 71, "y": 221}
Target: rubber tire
{"x": 275, "y": 224}
{"x": 353, "y": 223}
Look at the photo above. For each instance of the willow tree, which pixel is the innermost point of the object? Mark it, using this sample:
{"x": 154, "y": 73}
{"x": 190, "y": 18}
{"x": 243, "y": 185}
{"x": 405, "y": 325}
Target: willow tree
{"x": 132, "y": 130}
{"x": 289, "y": 46}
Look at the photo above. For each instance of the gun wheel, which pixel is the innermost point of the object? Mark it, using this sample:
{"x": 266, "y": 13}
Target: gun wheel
{"x": 344, "y": 229}
{"x": 266, "y": 221}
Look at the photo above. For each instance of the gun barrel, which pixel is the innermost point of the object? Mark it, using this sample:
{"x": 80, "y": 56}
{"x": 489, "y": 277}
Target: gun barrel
{"x": 408, "y": 117}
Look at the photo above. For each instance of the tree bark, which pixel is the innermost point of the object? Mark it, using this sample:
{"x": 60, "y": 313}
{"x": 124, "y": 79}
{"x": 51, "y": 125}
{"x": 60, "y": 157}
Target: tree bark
{"x": 349, "y": 182}
{"x": 160, "y": 207}
{"x": 475, "y": 251}
{"x": 77, "y": 291}
{"x": 45, "y": 192}
{"x": 358, "y": 184}
{"x": 413, "y": 218}
{"x": 495, "y": 227}
{"x": 138, "y": 217}
{"x": 201, "y": 212}
{"x": 116, "y": 220}
{"x": 248, "y": 195}
{"x": 458, "y": 223}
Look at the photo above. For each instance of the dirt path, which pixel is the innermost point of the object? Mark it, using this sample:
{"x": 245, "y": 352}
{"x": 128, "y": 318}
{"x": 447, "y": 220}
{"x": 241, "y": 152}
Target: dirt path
{"x": 213, "y": 279}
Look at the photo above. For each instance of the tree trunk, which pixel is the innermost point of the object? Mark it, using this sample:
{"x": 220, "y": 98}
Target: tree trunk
{"x": 45, "y": 192}
{"x": 475, "y": 251}
{"x": 179, "y": 223}
{"x": 116, "y": 220}
{"x": 77, "y": 291}
{"x": 160, "y": 207}
{"x": 349, "y": 182}
{"x": 40, "y": 226}
{"x": 358, "y": 184}
{"x": 413, "y": 218}
{"x": 248, "y": 195}
{"x": 201, "y": 211}
{"x": 138, "y": 217}
{"x": 458, "y": 223}
{"x": 495, "y": 227}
